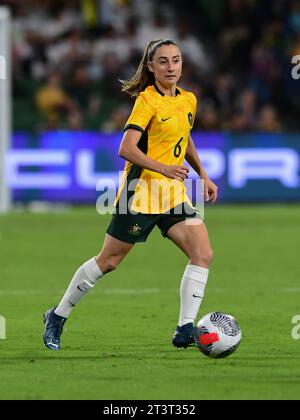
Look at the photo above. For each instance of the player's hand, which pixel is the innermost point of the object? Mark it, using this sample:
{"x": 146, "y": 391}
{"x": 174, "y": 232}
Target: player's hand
{"x": 210, "y": 191}
{"x": 175, "y": 172}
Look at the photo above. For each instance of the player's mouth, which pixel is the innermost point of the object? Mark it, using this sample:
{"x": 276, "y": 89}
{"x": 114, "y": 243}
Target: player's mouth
{"x": 171, "y": 76}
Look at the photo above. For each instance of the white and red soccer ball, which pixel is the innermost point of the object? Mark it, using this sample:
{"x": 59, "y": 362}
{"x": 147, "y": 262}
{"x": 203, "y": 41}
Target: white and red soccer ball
{"x": 218, "y": 335}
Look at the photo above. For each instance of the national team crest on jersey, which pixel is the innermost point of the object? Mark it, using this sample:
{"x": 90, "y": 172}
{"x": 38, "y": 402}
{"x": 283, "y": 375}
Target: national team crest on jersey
{"x": 190, "y": 117}
{"x": 135, "y": 230}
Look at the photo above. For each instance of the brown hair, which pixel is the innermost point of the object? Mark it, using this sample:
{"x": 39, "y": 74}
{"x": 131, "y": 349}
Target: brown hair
{"x": 143, "y": 76}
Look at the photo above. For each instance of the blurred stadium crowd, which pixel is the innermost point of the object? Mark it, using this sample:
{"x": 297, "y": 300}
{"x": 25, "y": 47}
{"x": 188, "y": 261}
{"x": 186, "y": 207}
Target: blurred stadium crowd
{"x": 69, "y": 55}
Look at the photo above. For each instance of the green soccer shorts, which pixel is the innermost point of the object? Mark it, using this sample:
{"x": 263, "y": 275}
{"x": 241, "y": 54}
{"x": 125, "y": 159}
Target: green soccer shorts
{"x": 133, "y": 228}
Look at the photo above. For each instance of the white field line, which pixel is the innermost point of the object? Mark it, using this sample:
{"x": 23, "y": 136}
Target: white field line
{"x": 139, "y": 291}
{"x": 24, "y": 292}
{"x": 291, "y": 290}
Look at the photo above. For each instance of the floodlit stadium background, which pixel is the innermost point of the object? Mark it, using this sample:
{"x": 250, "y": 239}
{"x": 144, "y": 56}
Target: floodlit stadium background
{"x": 68, "y": 111}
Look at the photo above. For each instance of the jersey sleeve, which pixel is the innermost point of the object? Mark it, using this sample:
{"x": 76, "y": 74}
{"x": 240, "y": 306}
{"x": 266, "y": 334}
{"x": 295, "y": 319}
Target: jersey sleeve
{"x": 194, "y": 99}
{"x": 141, "y": 114}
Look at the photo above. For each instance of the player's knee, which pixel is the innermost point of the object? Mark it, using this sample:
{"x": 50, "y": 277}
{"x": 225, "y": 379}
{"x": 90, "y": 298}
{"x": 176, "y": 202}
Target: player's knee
{"x": 208, "y": 256}
{"x": 108, "y": 264}
{"x": 112, "y": 263}
{"x": 202, "y": 258}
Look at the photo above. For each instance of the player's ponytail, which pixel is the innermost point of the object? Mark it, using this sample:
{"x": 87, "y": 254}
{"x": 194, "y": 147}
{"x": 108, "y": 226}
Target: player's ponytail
{"x": 143, "y": 76}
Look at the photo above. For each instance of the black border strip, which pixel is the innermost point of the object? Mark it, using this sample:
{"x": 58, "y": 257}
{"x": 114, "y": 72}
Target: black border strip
{"x": 134, "y": 127}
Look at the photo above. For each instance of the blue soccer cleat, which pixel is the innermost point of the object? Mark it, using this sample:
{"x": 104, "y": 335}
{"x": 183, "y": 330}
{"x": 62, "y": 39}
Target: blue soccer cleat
{"x": 184, "y": 336}
{"x": 53, "y": 329}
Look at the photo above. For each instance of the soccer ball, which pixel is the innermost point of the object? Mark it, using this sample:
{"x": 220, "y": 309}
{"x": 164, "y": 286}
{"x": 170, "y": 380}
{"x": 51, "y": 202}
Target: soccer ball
{"x": 218, "y": 335}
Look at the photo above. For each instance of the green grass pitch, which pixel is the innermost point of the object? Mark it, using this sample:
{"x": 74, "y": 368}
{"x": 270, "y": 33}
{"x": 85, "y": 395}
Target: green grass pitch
{"x": 118, "y": 340}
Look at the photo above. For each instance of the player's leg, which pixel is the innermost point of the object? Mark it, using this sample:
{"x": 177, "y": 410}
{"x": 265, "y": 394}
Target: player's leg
{"x": 194, "y": 241}
{"x": 85, "y": 278}
{"x": 112, "y": 253}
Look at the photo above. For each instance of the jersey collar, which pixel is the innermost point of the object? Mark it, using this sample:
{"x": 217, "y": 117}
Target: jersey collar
{"x": 177, "y": 92}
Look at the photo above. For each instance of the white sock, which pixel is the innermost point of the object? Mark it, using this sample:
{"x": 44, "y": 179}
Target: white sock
{"x": 192, "y": 289}
{"x": 83, "y": 281}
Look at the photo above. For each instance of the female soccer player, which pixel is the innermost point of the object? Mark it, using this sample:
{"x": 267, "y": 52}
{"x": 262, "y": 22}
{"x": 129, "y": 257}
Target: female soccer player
{"x": 155, "y": 143}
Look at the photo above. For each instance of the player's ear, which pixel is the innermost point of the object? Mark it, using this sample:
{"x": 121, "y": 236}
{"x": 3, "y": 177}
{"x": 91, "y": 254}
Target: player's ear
{"x": 150, "y": 66}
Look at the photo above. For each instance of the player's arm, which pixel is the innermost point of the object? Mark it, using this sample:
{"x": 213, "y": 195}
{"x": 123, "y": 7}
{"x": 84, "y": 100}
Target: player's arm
{"x": 191, "y": 156}
{"x": 129, "y": 150}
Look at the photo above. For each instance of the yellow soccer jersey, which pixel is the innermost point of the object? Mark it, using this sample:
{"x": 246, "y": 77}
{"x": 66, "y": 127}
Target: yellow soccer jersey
{"x": 165, "y": 123}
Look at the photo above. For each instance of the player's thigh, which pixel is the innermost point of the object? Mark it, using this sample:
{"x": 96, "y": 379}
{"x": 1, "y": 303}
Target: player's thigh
{"x": 192, "y": 239}
{"x": 113, "y": 250}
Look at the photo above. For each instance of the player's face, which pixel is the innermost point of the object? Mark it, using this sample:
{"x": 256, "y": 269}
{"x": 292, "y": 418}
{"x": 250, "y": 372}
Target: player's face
{"x": 167, "y": 65}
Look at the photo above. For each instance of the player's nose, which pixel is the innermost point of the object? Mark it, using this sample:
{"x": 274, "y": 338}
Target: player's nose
{"x": 171, "y": 68}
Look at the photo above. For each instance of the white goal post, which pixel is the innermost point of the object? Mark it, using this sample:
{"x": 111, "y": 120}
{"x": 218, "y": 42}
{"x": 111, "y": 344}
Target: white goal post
{"x": 5, "y": 104}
